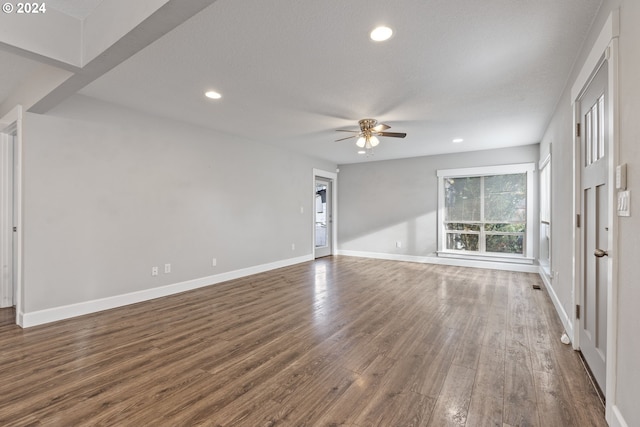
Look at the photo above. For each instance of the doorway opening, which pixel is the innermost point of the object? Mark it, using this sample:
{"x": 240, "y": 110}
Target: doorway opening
{"x": 324, "y": 213}
{"x": 323, "y": 218}
{"x": 10, "y": 216}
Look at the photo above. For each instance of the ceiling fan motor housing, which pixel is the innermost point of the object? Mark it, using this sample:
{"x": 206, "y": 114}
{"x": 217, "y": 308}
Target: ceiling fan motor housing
{"x": 367, "y": 124}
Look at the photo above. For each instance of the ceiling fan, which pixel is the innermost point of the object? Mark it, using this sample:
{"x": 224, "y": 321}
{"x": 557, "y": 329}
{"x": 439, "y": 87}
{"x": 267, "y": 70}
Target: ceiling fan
{"x": 368, "y": 133}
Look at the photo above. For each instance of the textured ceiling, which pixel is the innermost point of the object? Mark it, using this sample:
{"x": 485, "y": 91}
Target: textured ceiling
{"x": 292, "y": 72}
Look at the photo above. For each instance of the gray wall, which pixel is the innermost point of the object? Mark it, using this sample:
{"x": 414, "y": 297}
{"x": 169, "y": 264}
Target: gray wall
{"x": 109, "y": 193}
{"x": 383, "y": 202}
{"x": 559, "y": 134}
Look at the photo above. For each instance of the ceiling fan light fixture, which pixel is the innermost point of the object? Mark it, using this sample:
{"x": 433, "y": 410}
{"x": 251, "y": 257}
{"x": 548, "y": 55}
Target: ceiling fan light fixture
{"x": 360, "y": 142}
{"x": 374, "y": 141}
{"x": 380, "y": 34}
{"x": 212, "y": 94}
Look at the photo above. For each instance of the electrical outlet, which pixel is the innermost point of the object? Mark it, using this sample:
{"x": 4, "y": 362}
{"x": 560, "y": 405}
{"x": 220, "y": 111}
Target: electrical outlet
{"x": 398, "y": 244}
{"x": 293, "y": 246}
{"x": 154, "y": 271}
{"x": 214, "y": 262}
{"x": 167, "y": 268}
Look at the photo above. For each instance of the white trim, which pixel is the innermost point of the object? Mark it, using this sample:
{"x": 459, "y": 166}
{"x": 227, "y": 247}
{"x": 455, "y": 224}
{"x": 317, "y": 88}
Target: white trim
{"x": 333, "y": 177}
{"x": 443, "y": 261}
{"x": 546, "y": 162}
{"x": 614, "y": 241}
{"x": 87, "y": 307}
{"x": 562, "y": 314}
{"x": 487, "y": 256}
{"x": 610, "y": 31}
{"x": 617, "y": 420}
{"x": 12, "y": 122}
{"x": 488, "y": 170}
{"x": 605, "y": 49}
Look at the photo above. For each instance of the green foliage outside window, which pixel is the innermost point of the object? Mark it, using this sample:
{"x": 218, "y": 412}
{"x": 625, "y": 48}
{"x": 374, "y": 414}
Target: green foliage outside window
{"x": 486, "y": 213}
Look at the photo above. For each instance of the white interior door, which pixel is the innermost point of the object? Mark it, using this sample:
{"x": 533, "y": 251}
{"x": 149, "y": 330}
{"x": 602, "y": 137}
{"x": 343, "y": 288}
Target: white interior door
{"x": 323, "y": 214}
{"x": 595, "y": 225}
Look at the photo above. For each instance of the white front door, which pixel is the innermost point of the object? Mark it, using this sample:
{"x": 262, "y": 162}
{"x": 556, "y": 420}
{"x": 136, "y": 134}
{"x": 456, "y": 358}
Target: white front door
{"x": 323, "y": 217}
{"x": 595, "y": 225}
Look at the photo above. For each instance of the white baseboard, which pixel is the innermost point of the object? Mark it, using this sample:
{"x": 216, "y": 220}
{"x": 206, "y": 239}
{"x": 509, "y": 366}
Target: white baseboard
{"x": 493, "y": 265}
{"x": 35, "y": 318}
{"x": 564, "y": 317}
{"x": 616, "y": 418}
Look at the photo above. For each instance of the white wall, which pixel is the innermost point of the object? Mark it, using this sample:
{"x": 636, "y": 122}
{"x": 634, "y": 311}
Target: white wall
{"x": 559, "y": 133}
{"x": 397, "y": 200}
{"x": 629, "y": 249}
{"x": 109, "y": 193}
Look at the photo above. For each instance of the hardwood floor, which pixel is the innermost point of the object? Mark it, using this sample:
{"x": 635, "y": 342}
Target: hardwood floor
{"x": 336, "y": 342}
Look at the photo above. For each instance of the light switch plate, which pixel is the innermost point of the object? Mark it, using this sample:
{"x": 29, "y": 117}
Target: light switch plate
{"x": 624, "y": 203}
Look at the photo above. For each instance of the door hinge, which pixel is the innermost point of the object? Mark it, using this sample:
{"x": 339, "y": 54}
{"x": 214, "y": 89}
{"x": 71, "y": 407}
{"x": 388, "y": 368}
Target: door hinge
{"x": 578, "y": 220}
{"x": 578, "y": 129}
{"x": 15, "y": 229}
{"x": 577, "y": 311}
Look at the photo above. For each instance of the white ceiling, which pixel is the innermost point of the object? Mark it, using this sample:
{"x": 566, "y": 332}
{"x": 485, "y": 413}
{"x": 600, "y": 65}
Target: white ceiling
{"x": 77, "y": 8}
{"x": 291, "y": 72}
{"x": 13, "y": 70}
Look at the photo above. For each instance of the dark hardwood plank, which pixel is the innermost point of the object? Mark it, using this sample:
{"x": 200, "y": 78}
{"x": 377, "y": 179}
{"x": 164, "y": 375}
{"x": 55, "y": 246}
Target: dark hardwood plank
{"x": 485, "y": 410}
{"x": 453, "y": 402}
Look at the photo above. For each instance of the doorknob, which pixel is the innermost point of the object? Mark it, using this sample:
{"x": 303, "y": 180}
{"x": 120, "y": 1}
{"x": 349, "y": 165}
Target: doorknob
{"x": 600, "y": 253}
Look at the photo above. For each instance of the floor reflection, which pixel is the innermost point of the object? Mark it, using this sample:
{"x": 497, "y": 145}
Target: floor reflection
{"x": 320, "y": 294}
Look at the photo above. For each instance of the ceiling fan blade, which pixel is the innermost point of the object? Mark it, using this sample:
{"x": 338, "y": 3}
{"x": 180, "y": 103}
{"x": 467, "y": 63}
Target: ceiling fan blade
{"x": 346, "y": 130}
{"x": 380, "y": 127}
{"x": 392, "y": 134}
{"x": 349, "y": 137}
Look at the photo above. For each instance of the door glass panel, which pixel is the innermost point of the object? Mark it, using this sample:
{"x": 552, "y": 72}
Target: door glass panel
{"x": 587, "y": 138}
{"x": 321, "y": 215}
{"x": 601, "y": 127}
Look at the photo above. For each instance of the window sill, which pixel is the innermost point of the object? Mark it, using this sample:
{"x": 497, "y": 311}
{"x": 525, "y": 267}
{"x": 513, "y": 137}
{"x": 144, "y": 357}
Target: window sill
{"x": 515, "y": 259}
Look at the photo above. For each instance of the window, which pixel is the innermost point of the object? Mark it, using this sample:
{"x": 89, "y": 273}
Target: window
{"x": 486, "y": 211}
{"x": 544, "y": 257}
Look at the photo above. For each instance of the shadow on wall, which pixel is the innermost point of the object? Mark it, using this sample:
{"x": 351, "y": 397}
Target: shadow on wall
{"x": 414, "y": 236}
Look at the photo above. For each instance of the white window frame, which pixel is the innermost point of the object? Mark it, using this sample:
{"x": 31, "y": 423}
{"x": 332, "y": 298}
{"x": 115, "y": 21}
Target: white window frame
{"x": 545, "y": 189}
{"x": 529, "y": 169}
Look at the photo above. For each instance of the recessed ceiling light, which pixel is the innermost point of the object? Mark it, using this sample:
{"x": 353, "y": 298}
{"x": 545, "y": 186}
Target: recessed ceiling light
{"x": 381, "y": 34}
{"x": 457, "y": 140}
{"x": 213, "y": 94}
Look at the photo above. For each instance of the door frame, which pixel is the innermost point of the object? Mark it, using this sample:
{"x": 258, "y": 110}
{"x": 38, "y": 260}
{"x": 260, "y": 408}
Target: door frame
{"x": 605, "y": 49}
{"x": 333, "y": 177}
{"x": 11, "y": 124}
